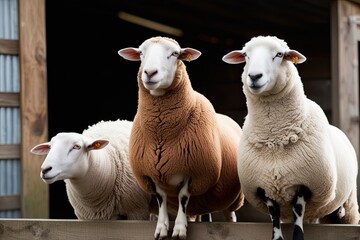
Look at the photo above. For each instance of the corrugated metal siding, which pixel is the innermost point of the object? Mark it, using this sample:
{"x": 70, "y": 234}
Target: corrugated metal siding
{"x": 9, "y": 117}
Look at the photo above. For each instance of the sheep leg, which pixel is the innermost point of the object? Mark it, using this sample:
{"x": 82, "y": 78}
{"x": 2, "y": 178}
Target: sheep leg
{"x": 162, "y": 225}
{"x": 229, "y": 216}
{"x": 299, "y": 210}
{"x": 335, "y": 217}
{"x": 180, "y": 226}
{"x": 205, "y": 218}
{"x": 274, "y": 211}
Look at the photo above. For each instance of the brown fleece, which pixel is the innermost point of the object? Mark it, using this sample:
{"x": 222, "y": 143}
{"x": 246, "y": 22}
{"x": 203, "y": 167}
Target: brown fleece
{"x": 180, "y": 133}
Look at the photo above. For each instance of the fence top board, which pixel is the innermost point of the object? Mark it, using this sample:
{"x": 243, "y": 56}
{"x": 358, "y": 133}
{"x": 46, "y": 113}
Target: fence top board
{"x": 40, "y": 229}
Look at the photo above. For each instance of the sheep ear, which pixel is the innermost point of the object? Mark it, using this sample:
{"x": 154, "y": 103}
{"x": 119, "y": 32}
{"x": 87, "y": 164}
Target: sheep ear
{"x": 189, "y": 54}
{"x": 132, "y": 54}
{"x": 41, "y": 149}
{"x": 97, "y": 144}
{"x": 234, "y": 57}
{"x": 294, "y": 56}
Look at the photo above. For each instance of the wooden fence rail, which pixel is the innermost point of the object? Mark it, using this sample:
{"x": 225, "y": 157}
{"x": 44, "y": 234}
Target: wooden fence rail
{"x": 45, "y": 229}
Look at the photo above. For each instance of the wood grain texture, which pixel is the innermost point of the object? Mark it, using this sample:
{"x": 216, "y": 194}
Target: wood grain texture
{"x": 33, "y": 99}
{"x": 10, "y": 202}
{"x": 143, "y": 230}
{"x": 8, "y": 46}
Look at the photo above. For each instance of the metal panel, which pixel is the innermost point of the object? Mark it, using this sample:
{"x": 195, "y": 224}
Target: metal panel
{"x": 9, "y": 117}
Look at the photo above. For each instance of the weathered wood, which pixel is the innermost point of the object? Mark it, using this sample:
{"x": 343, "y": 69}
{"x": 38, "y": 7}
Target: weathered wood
{"x": 10, "y": 151}
{"x": 9, "y": 99}
{"x": 10, "y": 202}
{"x": 345, "y": 68}
{"x": 33, "y": 98}
{"x": 41, "y": 229}
{"x": 8, "y": 46}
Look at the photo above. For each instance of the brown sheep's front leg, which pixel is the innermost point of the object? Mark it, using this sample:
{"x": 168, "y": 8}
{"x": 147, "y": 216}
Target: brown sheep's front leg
{"x": 181, "y": 219}
{"x": 162, "y": 225}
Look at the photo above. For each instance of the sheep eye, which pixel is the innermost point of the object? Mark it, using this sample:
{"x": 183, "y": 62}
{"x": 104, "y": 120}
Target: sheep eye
{"x": 244, "y": 54}
{"x": 280, "y": 54}
{"x": 76, "y": 147}
{"x": 175, "y": 54}
{"x": 141, "y": 54}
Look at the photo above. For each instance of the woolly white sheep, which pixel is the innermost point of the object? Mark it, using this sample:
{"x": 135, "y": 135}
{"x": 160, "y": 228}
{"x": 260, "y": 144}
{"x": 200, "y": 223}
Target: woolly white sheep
{"x": 180, "y": 148}
{"x": 95, "y": 167}
{"x": 289, "y": 154}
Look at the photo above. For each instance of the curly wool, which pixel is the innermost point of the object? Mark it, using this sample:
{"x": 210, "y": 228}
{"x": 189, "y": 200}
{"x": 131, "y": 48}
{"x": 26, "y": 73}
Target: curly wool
{"x": 173, "y": 135}
{"x": 109, "y": 172}
{"x": 287, "y": 142}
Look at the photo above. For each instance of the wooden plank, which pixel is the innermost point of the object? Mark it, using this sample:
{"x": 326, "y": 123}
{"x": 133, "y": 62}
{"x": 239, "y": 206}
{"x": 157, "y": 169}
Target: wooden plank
{"x": 8, "y": 46}
{"x": 345, "y": 64}
{"x": 10, "y": 202}
{"x": 10, "y": 151}
{"x": 345, "y": 71}
{"x": 130, "y": 230}
{"x": 33, "y": 99}
{"x": 9, "y": 99}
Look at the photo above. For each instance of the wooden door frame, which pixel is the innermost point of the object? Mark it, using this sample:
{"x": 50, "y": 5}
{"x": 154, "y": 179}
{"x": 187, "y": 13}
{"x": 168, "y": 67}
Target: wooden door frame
{"x": 345, "y": 67}
{"x": 33, "y": 105}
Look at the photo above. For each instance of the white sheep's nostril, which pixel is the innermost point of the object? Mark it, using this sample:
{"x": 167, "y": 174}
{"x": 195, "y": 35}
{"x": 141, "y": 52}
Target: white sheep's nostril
{"x": 46, "y": 170}
{"x": 150, "y": 73}
{"x": 255, "y": 77}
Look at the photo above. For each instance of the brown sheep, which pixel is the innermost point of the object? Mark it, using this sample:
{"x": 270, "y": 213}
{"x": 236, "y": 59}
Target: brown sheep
{"x": 180, "y": 149}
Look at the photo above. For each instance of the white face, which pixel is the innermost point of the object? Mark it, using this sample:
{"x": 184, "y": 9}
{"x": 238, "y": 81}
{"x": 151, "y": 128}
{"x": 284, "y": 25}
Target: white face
{"x": 66, "y": 159}
{"x": 263, "y": 66}
{"x": 159, "y": 63}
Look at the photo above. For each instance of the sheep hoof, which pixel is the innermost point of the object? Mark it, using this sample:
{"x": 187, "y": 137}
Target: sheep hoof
{"x": 179, "y": 232}
{"x": 158, "y": 237}
{"x": 178, "y": 237}
{"x": 161, "y": 232}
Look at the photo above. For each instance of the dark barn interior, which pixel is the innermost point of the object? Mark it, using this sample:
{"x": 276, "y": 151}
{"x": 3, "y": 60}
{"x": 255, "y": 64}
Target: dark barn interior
{"x": 88, "y": 81}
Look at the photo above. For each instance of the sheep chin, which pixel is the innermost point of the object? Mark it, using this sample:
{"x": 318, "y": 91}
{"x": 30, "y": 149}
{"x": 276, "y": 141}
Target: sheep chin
{"x": 49, "y": 180}
{"x": 157, "y": 92}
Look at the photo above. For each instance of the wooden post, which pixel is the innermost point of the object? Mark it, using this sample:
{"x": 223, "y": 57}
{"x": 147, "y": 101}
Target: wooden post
{"x": 345, "y": 82}
{"x": 33, "y": 103}
{"x": 345, "y": 69}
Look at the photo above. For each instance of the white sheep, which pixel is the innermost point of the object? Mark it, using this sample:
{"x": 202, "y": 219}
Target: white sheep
{"x": 99, "y": 181}
{"x": 289, "y": 154}
{"x": 180, "y": 148}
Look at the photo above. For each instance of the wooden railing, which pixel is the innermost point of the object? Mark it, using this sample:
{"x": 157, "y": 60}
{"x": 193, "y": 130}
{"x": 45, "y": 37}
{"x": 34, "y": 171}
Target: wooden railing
{"x": 144, "y": 230}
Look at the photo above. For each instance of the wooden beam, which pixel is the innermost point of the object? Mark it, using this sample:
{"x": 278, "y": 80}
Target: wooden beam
{"x": 9, "y": 99}
{"x": 33, "y": 99}
{"x": 10, "y": 151}
{"x": 8, "y": 46}
{"x": 10, "y": 202}
{"x": 133, "y": 230}
{"x": 345, "y": 70}
{"x": 345, "y": 67}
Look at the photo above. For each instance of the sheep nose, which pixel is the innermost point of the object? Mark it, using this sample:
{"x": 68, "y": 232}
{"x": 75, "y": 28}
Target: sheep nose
{"x": 255, "y": 77}
{"x": 46, "y": 170}
{"x": 150, "y": 73}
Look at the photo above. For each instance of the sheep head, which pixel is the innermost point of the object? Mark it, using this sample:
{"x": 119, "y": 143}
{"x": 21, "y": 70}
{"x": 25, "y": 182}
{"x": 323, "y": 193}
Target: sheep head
{"x": 158, "y": 56}
{"x": 67, "y": 156}
{"x": 267, "y": 60}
